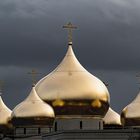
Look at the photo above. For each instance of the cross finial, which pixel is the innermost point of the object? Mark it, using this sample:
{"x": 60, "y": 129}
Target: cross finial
{"x": 1, "y": 85}
{"x": 69, "y": 26}
{"x": 33, "y": 74}
{"x": 138, "y": 77}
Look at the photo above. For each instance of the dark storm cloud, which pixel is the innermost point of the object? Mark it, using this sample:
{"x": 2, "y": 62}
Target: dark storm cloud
{"x": 108, "y": 32}
{"x": 17, "y": 83}
{"x": 106, "y": 42}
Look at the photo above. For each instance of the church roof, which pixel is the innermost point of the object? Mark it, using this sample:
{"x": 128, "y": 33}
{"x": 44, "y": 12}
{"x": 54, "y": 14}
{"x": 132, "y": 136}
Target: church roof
{"x": 33, "y": 106}
{"x": 5, "y": 113}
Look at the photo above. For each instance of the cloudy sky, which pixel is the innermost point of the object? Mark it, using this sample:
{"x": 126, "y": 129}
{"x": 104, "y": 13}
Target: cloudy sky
{"x": 107, "y": 43}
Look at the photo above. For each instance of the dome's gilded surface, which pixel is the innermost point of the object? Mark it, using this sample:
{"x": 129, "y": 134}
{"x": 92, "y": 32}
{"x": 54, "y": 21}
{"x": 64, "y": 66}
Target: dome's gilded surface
{"x": 5, "y": 113}
{"x": 112, "y": 118}
{"x": 72, "y": 90}
{"x": 130, "y": 115}
{"x": 32, "y": 109}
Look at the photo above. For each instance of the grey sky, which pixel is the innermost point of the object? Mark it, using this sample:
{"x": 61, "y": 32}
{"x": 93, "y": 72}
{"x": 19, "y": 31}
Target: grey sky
{"x": 106, "y": 43}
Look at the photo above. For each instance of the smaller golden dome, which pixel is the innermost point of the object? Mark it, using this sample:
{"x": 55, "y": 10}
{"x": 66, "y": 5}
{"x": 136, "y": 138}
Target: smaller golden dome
{"x": 130, "y": 115}
{"x": 33, "y": 110}
{"x": 112, "y": 118}
{"x": 5, "y": 113}
{"x": 33, "y": 106}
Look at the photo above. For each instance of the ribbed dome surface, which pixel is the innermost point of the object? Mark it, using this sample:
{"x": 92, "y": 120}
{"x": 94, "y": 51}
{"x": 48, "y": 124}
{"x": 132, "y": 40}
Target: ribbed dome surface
{"x": 112, "y": 118}
{"x": 71, "y": 82}
{"x": 5, "y": 113}
{"x": 131, "y": 113}
{"x": 33, "y": 106}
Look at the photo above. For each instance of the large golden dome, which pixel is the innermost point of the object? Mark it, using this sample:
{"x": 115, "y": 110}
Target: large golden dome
{"x": 32, "y": 110}
{"x": 72, "y": 90}
{"x": 130, "y": 115}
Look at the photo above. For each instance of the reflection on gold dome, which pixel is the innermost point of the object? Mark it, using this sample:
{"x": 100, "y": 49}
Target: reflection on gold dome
{"x": 77, "y": 89}
{"x": 58, "y": 102}
{"x": 96, "y": 103}
{"x": 79, "y": 107}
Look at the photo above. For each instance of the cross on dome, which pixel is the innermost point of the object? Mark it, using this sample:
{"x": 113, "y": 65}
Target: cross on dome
{"x": 138, "y": 77}
{"x": 69, "y": 27}
{"x": 33, "y": 74}
{"x": 1, "y": 86}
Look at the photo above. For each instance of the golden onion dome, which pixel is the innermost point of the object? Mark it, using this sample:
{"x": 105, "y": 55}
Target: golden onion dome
{"x": 71, "y": 87}
{"x": 130, "y": 115}
{"x": 112, "y": 118}
{"x": 33, "y": 109}
{"x": 5, "y": 113}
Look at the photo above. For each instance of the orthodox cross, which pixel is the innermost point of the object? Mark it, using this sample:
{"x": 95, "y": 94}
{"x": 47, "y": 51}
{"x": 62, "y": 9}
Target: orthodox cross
{"x": 69, "y": 27}
{"x": 33, "y": 74}
{"x": 1, "y": 85}
{"x": 138, "y": 77}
